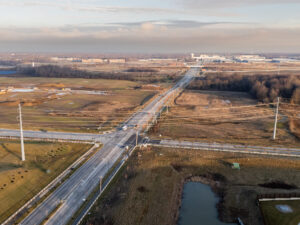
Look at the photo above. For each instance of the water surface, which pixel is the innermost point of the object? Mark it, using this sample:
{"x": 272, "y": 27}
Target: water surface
{"x": 199, "y": 206}
{"x": 7, "y": 72}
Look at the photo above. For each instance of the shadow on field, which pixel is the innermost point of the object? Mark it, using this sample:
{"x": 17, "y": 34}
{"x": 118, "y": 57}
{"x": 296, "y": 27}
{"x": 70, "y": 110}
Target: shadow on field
{"x": 10, "y": 152}
{"x": 8, "y": 166}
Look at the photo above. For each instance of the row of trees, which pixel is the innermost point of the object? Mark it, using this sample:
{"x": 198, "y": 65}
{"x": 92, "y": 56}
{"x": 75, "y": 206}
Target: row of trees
{"x": 7, "y": 63}
{"x": 147, "y": 70}
{"x": 263, "y": 87}
{"x": 67, "y": 72}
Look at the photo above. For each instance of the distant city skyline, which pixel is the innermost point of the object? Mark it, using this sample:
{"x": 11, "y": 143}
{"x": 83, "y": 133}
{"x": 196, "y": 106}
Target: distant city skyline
{"x": 132, "y": 26}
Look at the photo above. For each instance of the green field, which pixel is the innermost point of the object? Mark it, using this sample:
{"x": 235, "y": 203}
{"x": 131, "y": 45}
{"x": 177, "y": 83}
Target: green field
{"x": 20, "y": 181}
{"x": 274, "y": 217}
{"x": 74, "y": 112}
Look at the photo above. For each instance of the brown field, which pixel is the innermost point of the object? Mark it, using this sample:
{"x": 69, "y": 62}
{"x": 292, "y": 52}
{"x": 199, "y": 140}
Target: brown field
{"x": 226, "y": 117}
{"x": 20, "y": 181}
{"x": 51, "y": 109}
{"x": 148, "y": 191}
{"x": 247, "y": 67}
{"x": 160, "y": 73}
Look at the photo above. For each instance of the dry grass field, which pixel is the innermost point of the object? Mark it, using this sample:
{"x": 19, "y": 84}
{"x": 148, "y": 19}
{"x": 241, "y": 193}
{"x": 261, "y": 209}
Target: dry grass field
{"x": 20, "y": 181}
{"x": 53, "y": 107}
{"x": 74, "y": 83}
{"x": 226, "y": 117}
{"x": 148, "y": 191}
{"x": 145, "y": 72}
{"x": 248, "y": 68}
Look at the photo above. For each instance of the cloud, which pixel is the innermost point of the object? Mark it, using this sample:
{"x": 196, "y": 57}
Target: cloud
{"x": 145, "y": 26}
{"x": 153, "y": 24}
{"x": 148, "y": 26}
{"x": 87, "y": 7}
{"x": 204, "y": 4}
{"x": 152, "y": 37}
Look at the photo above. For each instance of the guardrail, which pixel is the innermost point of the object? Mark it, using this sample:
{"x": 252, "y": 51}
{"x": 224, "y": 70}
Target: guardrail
{"x": 227, "y": 149}
{"x": 278, "y": 197}
{"x": 46, "y": 189}
{"x": 48, "y": 140}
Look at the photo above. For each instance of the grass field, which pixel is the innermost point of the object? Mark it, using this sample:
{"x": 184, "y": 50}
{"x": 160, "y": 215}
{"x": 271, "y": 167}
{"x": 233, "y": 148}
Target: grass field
{"x": 225, "y": 117}
{"x": 69, "y": 111}
{"x": 20, "y": 181}
{"x": 148, "y": 191}
{"x": 274, "y": 217}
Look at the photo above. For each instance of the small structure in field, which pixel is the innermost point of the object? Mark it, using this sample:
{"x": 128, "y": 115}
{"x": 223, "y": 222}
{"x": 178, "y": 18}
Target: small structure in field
{"x": 236, "y": 166}
{"x": 284, "y": 208}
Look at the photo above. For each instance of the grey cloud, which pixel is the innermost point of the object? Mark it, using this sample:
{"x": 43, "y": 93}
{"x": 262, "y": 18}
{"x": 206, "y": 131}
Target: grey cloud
{"x": 179, "y": 40}
{"x": 172, "y": 24}
{"x": 109, "y": 28}
{"x": 202, "y": 4}
{"x": 87, "y": 7}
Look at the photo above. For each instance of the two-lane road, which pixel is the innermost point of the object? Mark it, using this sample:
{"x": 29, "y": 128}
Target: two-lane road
{"x": 55, "y": 135}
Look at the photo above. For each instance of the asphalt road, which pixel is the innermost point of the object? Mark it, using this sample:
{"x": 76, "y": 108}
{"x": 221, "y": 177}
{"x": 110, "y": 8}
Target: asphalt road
{"x": 276, "y": 151}
{"x": 69, "y": 196}
{"x": 55, "y": 135}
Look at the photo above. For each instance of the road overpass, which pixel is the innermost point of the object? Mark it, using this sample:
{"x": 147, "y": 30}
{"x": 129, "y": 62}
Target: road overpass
{"x": 54, "y": 135}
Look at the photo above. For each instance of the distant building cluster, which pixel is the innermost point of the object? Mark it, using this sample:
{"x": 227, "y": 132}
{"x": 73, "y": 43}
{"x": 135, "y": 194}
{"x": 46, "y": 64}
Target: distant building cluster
{"x": 88, "y": 60}
{"x": 250, "y": 58}
{"x": 210, "y": 58}
{"x": 240, "y": 59}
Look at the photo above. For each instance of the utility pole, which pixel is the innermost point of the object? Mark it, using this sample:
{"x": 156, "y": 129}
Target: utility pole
{"x": 21, "y": 133}
{"x": 136, "y": 137}
{"x": 100, "y": 184}
{"x": 276, "y": 118}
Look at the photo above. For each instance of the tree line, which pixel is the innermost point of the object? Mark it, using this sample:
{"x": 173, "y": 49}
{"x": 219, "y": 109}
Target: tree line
{"x": 147, "y": 75}
{"x": 265, "y": 88}
{"x": 8, "y": 63}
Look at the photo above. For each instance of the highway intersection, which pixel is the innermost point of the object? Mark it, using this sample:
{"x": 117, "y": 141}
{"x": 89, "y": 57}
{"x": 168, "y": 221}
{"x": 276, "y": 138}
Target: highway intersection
{"x": 62, "y": 204}
{"x": 59, "y": 207}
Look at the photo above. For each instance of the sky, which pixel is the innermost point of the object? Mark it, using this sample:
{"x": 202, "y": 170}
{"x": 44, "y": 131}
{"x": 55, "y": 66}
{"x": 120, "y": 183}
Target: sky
{"x": 150, "y": 26}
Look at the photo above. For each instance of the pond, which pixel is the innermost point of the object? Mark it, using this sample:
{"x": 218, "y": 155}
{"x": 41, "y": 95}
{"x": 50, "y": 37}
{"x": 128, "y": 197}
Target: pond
{"x": 7, "y": 72}
{"x": 199, "y": 206}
